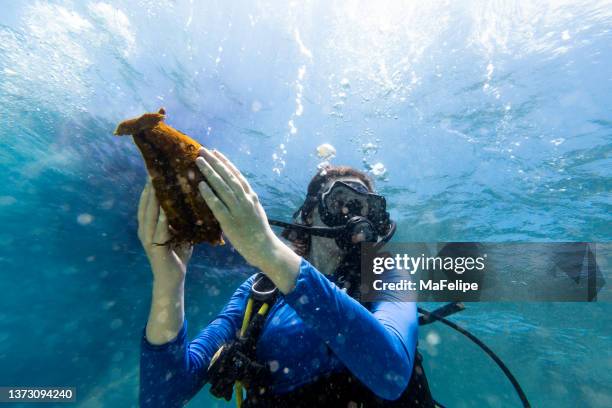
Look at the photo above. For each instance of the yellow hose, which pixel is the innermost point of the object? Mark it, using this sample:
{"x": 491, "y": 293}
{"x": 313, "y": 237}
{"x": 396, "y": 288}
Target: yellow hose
{"x": 245, "y": 323}
{"x": 238, "y": 389}
{"x": 263, "y": 309}
{"x": 247, "y": 317}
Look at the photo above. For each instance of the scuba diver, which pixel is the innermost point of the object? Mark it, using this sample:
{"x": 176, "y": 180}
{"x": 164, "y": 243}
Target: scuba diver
{"x": 295, "y": 334}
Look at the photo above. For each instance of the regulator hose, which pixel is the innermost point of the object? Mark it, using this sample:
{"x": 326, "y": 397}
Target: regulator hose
{"x": 430, "y": 317}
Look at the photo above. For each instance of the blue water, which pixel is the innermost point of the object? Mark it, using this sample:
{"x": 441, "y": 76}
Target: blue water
{"x": 483, "y": 121}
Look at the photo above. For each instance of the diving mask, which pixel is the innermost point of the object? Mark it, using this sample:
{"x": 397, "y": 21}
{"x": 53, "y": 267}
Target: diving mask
{"x": 347, "y": 199}
{"x": 351, "y": 214}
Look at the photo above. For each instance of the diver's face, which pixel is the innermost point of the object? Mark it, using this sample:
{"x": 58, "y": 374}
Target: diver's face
{"x": 324, "y": 253}
{"x": 315, "y": 218}
{"x": 321, "y": 246}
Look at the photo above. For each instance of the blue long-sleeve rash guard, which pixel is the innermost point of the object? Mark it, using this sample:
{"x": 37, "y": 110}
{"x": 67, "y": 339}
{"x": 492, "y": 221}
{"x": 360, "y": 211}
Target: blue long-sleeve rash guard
{"x": 315, "y": 329}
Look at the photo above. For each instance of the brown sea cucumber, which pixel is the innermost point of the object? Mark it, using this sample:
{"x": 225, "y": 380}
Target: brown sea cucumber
{"x": 170, "y": 159}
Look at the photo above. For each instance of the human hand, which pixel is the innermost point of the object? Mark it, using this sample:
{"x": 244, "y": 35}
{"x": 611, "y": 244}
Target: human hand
{"x": 168, "y": 264}
{"x": 236, "y": 207}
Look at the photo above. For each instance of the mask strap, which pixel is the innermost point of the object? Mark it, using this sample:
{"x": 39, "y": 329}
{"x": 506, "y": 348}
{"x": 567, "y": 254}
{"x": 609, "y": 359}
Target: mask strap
{"x": 328, "y": 232}
{"x": 296, "y": 214}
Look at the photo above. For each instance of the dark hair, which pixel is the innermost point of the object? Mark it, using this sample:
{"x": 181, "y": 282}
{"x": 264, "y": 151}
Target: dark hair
{"x": 300, "y": 240}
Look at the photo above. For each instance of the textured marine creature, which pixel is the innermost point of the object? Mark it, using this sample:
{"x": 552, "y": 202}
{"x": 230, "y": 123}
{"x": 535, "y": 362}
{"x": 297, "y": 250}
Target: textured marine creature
{"x": 170, "y": 159}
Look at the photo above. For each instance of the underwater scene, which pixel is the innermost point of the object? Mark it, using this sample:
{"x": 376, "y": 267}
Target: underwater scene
{"x": 483, "y": 121}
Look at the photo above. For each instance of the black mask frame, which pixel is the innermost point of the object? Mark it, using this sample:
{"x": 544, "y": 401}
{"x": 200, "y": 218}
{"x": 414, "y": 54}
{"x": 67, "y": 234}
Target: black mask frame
{"x": 345, "y": 200}
{"x": 348, "y": 229}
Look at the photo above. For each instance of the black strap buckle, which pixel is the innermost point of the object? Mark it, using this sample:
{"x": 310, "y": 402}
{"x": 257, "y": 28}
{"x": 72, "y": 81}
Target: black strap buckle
{"x": 263, "y": 289}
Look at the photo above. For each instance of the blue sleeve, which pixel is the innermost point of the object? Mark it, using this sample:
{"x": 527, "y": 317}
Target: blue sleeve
{"x": 172, "y": 373}
{"x": 378, "y": 347}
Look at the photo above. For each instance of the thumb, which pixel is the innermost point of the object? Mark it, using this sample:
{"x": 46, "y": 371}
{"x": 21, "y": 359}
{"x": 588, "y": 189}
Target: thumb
{"x": 162, "y": 230}
{"x": 184, "y": 252}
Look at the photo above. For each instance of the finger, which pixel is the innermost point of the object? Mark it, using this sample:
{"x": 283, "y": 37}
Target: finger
{"x": 222, "y": 190}
{"x": 219, "y": 210}
{"x": 184, "y": 252}
{"x": 162, "y": 230}
{"x": 151, "y": 215}
{"x": 228, "y": 176}
{"x": 241, "y": 179}
{"x": 142, "y": 205}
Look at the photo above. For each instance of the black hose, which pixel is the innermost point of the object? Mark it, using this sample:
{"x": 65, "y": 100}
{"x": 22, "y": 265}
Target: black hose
{"x": 428, "y": 315}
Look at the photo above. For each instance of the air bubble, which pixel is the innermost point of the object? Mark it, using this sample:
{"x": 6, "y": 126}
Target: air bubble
{"x": 565, "y": 35}
{"x": 558, "y": 141}
{"x": 85, "y": 219}
{"x": 433, "y": 338}
{"x": 115, "y": 324}
{"x": 326, "y": 151}
{"x": 378, "y": 170}
{"x": 369, "y": 148}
